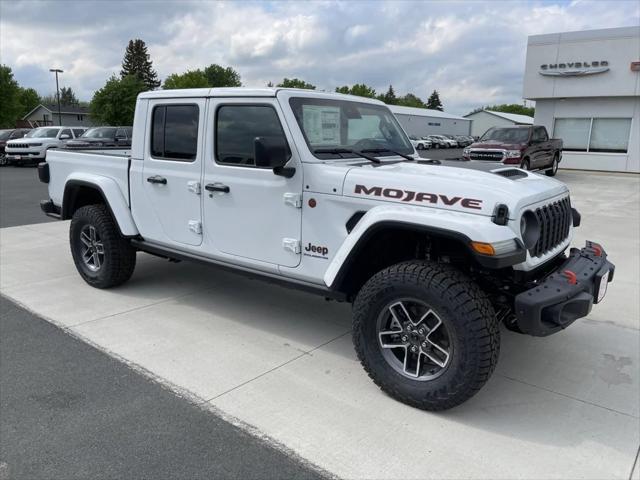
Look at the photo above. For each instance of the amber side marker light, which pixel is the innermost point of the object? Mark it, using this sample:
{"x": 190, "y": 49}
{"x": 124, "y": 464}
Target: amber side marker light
{"x": 483, "y": 248}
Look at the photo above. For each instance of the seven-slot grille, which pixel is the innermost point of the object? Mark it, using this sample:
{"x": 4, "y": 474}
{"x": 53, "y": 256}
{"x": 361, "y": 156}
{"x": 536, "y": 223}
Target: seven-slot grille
{"x": 555, "y": 222}
{"x": 486, "y": 155}
{"x": 19, "y": 145}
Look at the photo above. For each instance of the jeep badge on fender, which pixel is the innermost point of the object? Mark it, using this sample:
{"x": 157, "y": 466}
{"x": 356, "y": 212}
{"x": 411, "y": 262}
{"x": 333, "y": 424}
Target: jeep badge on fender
{"x": 433, "y": 256}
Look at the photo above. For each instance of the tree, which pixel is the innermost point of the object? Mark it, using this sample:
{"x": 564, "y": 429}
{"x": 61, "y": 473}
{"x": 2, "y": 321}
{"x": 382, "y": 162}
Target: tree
{"x": 137, "y": 62}
{"x": 67, "y": 97}
{"x": 189, "y": 79}
{"x": 509, "y": 108}
{"x": 359, "y": 90}
{"x": 218, "y": 76}
{"x": 390, "y": 97}
{"x": 29, "y": 99}
{"x": 115, "y": 103}
{"x": 434, "y": 102}
{"x": 9, "y": 98}
{"x": 296, "y": 83}
{"x": 411, "y": 100}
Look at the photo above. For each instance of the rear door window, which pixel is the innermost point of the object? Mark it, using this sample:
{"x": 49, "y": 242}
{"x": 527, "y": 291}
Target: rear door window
{"x": 174, "y": 132}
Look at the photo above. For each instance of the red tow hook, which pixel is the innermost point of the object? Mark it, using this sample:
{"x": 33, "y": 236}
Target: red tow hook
{"x": 571, "y": 277}
{"x": 597, "y": 250}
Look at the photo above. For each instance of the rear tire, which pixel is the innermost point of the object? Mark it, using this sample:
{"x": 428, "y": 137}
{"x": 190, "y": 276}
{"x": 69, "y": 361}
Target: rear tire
{"x": 467, "y": 331}
{"x": 554, "y": 167}
{"x": 102, "y": 256}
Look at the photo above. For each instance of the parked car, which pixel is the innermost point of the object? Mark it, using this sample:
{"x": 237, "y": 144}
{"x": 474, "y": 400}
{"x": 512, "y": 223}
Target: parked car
{"x": 527, "y": 146}
{"x": 102, "y": 137}
{"x": 446, "y": 142}
{"x": 432, "y": 259}
{"x": 453, "y": 141}
{"x": 5, "y": 136}
{"x": 420, "y": 143}
{"x": 32, "y": 148}
{"x": 437, "y": 141}
{"x": 463, "y": 140}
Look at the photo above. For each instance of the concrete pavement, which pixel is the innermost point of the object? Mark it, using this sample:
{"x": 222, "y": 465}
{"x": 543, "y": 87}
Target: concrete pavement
{"x": 281, "y": 361}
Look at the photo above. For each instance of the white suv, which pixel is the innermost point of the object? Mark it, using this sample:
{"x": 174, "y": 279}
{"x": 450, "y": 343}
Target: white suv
{"x": 32, "y": 148}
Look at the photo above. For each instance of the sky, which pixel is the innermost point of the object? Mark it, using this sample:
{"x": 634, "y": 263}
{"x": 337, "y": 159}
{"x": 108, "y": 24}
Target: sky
{"x": 472, "y": 52}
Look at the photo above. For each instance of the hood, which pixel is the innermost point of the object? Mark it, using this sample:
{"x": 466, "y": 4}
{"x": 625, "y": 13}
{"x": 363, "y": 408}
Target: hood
{"x": 464, "y": 188}
{"x": 498, "y": 145}
{"x": 31, "y": 141}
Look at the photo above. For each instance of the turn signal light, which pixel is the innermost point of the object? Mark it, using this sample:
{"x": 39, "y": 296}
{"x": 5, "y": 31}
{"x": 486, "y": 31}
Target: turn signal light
{"x": 483, "y": 248}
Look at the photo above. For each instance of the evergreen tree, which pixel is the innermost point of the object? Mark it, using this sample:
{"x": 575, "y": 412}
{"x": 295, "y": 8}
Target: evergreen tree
{"x": 9, "y": 98}
{"x": 29, "y": 99}
{"x": 434, "y": 102}
{"x": 390, "y": 97}
{"x": 136, "y": 62}
{"x": 218, "y": 76}
{"x": 67, "y": 97}
{"x": 296, "y": 83}
{"x": 115, "y": 103}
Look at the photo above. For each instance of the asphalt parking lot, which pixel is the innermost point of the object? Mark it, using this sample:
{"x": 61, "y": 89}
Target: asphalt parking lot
{"x": 280, "y": 364}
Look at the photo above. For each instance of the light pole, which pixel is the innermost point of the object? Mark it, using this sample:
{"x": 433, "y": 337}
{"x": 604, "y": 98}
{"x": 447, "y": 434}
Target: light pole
{"x": 57, "y": 71}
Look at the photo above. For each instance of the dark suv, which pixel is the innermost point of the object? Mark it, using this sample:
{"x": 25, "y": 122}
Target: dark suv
{"x": 5, "y": 136}
{"x": 98, "y": 137}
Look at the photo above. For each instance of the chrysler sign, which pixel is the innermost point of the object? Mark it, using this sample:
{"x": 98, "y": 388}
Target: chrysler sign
{"x": 573, "y": 69}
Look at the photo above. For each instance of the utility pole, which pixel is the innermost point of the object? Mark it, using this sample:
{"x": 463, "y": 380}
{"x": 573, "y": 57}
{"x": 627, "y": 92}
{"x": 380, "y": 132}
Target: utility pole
{"x": 56, "y": 71}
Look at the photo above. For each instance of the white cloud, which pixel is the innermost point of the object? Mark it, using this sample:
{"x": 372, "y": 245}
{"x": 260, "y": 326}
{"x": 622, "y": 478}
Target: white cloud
{"x": 472, "y": 52}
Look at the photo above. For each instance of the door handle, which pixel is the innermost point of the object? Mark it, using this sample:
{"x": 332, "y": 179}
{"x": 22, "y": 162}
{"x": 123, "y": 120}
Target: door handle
{"x": 157, "y": 179}
{"x": 217, "y": 187}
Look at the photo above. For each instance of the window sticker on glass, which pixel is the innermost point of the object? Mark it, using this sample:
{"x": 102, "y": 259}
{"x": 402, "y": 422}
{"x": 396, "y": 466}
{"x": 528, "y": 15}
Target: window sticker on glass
{"x": 322, "y": 124}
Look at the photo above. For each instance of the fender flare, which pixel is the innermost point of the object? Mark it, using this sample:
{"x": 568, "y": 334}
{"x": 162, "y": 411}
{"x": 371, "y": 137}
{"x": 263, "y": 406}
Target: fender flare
{"x": 112, "y": 196}
{"x": 462, "y": 227}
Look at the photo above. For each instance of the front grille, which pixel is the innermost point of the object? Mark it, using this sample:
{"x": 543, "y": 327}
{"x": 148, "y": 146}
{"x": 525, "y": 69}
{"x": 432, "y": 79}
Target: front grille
{"x": 19, "y": 145}
{"x": 486, "y": 155}
{"x": 555, "y": 222}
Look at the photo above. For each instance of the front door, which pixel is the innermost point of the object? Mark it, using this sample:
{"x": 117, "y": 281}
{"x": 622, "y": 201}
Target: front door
{"x": 249, "y": 211}
{"x": 173, "y": 168}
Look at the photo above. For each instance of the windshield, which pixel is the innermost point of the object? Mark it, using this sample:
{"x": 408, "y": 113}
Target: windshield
{"x": 43, "y": 133}
{"x": 102, "y": 132}
{"x": 4, "y": 134}
{"x": 342, "y": 124}
{"x": 508, "y": 135}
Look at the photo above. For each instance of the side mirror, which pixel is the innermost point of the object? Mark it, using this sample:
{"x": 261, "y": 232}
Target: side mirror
{"x": 65, "y": 137}
{"x": 273, "y": 153}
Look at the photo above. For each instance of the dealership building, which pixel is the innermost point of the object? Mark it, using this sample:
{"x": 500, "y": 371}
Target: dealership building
{"x": 424, "y": 121}
{"x": 586, "y": 86}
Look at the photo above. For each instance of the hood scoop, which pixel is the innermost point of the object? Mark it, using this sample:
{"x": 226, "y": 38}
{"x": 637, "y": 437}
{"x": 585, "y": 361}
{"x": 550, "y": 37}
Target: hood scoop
{"x": 512, "y": 173}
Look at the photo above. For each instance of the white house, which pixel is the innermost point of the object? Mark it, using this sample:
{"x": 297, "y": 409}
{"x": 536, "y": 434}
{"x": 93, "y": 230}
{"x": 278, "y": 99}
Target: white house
{"x": 424, "y": 121}
{"x": 586, "y": 86}
{"x": 44, "y": 115}
{"x": 483, "y": 120}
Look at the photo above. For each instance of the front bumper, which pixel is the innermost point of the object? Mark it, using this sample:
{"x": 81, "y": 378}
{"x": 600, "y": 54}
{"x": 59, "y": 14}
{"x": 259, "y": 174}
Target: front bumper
{"x": 25, "y": 156}
{"x": 567, "y": 294}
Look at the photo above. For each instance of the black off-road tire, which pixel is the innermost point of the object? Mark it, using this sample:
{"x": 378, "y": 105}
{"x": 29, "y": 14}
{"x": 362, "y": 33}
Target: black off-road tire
{"x": 463, "y": 308}
{"x": 119, "y": 260}
{"x": 554, "y": 167}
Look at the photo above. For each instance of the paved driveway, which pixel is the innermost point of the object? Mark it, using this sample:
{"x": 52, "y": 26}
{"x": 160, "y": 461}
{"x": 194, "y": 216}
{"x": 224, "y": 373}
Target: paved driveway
{"x": 281, "y": 361}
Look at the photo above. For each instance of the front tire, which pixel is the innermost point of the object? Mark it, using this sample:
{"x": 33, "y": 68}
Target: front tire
{"x": 525, "y": 165}
{"x": 426, "y": 334}
{"x": 102, "y": 256}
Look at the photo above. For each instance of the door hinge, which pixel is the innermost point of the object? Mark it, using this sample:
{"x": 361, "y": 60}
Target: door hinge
{"x": 194, "y": 187}
{"x": 195, "y": 226}
{"x": 291, "y": 244}
{"x": 293, "y": 199}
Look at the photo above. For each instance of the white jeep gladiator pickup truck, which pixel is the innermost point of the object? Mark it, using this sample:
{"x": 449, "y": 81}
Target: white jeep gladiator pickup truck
{"x": 325, "y": 192}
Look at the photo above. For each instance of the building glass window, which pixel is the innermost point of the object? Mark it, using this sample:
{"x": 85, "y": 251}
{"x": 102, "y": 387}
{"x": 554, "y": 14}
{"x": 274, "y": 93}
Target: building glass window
{"x": 610, "y": 135}
{"x": 574, "y": 133}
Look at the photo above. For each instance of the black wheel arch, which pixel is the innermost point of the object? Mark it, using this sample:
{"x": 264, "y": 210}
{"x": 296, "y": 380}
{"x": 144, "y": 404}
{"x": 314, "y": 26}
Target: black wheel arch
{"x": 79, "y": 193}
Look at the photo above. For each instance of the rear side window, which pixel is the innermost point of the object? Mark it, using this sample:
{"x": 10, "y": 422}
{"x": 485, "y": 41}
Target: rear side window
{"x": 78, "y": 132}
{"x": 174, "y": 132}
{"x": 66, "y": 132}
{"x": 237, "y": 126}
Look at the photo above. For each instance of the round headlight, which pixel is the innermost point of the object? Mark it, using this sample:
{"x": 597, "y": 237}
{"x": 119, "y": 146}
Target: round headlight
{"x": 529, "y": 229}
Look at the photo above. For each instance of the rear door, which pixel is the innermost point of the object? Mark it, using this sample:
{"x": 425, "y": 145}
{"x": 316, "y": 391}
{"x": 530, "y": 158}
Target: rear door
{"x": 172, "y": 169}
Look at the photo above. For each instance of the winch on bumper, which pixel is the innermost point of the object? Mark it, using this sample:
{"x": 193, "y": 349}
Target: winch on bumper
{"x": 566, "y": 294}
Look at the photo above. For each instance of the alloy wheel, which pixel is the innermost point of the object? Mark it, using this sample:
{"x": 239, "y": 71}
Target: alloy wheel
{"x": 92, "y": 248}
{"x": 413, "y": 339}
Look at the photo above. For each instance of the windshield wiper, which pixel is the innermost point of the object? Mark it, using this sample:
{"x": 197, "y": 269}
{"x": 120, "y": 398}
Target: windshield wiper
{"x": 380, "y": 150}
{"x": 340, "y": 151}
